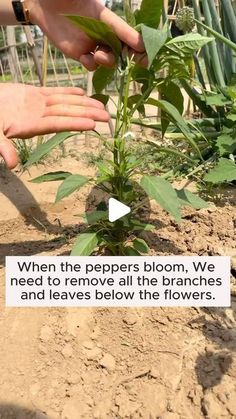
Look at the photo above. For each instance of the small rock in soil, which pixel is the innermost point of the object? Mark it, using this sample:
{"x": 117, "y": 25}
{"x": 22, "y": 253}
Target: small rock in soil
{"x": 154, "y": 373}
{"x": 43, "y": 350}
{"x": 108, "y": 362}
{"x": 73, "y": 379}
{"x": 212, "y": 407}
{"x": 88, "y": 344}
{"x": 67, "y": 351}
{"x": 130, "y": 319}
{"x": 94, "y": 355}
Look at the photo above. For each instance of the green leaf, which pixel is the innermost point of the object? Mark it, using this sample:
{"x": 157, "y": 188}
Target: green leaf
{"x": 140, "y": 245}
{"x": 133, "y": 100}
{"x": 85, "y": 244}
{"x": 70, "y": 185}
{"x": 224, "y": 171}
{"x": 140, "y": 74}
{"x": 98, "y": 31}
{"x": 176, "y": 118}
{"x": 231, "y": 116}
{"x": 93, "y": 217}
{"x": 190, "y": 199}
{"x": 51, "y": 177}
{"x": 217, "y": 100}
{"x": 154, "y": 40}
{"x": 187, "y": 44}
{"x": 176, "y": 66}
{"x": 226, "y": 144}
{"x": 102, "y": 77}
{"x": 231, "y": 90}
{"x": 101, "y": 98}
{"x": 163, "y": 193}
{"x": 138, "y": 226}
{"x": 129, "y": 14}
{"x": 150, "y": 13}
{"x": 103, "y": 168}
{"x": 130, "y": 251}
{"x": 172, "y": 94}
{"x": 198, "y": 100}
{"x": 45, "y": 148}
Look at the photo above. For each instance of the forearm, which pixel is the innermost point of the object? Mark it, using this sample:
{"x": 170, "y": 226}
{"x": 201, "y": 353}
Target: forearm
{"x": 7, "y": 16}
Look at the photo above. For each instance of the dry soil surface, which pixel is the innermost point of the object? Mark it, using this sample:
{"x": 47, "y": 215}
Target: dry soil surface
{"x": 77, "y": 363}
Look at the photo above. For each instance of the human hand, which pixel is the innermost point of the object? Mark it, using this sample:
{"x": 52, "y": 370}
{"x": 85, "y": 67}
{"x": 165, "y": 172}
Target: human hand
{"x": 27, "y": 111}
{"x": 48, "y": 15}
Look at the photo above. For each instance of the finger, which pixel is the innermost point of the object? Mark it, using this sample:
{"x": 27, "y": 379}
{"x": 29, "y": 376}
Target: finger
{"x": 51, "y": 124}
{"x": 73, "y": 100}
{"x": 104, "y": 58}
{"x": 126, "y": 34}
{"x": 140, "y": 59}
{"x": 62, "y": 91}
{"x": 77, "y": 111}
{"x": 88, "y": 62}
{"x": 8, "y": 152}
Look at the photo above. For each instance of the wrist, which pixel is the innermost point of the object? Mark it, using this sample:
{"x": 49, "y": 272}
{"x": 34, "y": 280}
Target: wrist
{"x": 32, "y": 7}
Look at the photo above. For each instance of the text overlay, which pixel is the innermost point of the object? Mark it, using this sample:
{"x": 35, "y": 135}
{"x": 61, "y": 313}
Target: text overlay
{"x": 97, "y": 281}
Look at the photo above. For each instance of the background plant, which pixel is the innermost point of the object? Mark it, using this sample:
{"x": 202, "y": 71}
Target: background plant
{"x": 215, "y": 93}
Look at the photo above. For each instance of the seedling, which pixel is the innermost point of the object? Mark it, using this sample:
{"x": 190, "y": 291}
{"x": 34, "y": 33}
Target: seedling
{"x": 119, "y": 176}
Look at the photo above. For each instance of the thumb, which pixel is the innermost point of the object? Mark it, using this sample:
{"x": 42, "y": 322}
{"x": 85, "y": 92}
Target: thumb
{"x": 8, "y": 152}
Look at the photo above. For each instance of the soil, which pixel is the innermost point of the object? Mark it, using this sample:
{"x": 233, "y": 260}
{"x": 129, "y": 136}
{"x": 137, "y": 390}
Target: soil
{"x": 166, "y": 363}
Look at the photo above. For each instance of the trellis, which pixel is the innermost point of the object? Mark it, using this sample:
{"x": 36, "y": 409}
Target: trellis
{"x": 15, "y": 57}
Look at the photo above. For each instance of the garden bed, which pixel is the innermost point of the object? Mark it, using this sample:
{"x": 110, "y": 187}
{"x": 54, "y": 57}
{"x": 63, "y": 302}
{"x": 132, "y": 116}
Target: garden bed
{"x": 113, "y": 363}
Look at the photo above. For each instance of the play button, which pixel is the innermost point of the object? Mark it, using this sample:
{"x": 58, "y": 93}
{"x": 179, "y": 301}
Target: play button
{"x": 129, "y": 213}
{"x": 116, "y": 210}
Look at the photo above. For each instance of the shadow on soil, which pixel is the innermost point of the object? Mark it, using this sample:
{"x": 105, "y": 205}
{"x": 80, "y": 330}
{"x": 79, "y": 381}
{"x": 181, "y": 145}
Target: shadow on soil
{"x": 221, "y": 196}
{"x": 34, "y": 216}
{"x": 160, "y": 245}
{"x": 24, "y": 201}
{"x": 212, "y": 365}
{"x": 10, "y": 411}
{"x": 30, "y": 248}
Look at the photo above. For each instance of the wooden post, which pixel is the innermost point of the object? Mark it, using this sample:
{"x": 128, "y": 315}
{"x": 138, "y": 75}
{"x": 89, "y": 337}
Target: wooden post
{"x": 33, "y": 50}
{"x": 166, "y": 6}
{"x": 12, "y": 52}
{"x": 45, "y": 60}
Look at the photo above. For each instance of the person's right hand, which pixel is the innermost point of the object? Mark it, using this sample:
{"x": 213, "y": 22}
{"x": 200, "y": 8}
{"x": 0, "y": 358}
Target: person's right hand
{"x": 27, "y": 111}
{"x": 48, "y": 15}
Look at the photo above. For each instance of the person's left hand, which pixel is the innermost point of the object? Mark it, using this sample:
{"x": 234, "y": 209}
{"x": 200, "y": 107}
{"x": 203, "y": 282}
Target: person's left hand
{"x": 48, "y": 15}
{"x": 27, "y": 111}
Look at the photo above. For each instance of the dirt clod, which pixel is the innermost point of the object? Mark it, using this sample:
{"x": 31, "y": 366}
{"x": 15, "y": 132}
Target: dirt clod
{"x": 67, "y": 351}
{"x": 108, "y": 362}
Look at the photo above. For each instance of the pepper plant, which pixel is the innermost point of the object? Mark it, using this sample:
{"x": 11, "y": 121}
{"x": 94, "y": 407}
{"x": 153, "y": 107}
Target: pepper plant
{"x": 118, "y": 176}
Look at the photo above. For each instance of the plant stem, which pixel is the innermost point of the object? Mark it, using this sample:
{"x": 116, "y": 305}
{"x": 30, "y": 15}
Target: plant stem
{"x": 122, "y": 124}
